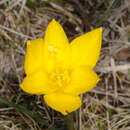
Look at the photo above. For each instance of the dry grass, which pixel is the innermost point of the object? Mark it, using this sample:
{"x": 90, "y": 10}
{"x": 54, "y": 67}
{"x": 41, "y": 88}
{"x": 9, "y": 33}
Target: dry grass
{"x": 107, "y": 107}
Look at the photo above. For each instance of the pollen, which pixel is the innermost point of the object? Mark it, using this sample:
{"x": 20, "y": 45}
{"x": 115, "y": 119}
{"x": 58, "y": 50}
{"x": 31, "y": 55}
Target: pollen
{"x": 60, "y": 77}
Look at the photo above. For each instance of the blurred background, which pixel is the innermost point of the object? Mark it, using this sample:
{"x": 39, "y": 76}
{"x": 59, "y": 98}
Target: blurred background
{"x": 107, "y": 107}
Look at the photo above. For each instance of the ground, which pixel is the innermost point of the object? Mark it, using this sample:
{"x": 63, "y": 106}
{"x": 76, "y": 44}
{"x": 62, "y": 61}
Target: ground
{"x": 107, "y": 106}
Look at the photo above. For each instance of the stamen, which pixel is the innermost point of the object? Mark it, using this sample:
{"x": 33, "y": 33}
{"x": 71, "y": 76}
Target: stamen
{"x": 61, "y": 77}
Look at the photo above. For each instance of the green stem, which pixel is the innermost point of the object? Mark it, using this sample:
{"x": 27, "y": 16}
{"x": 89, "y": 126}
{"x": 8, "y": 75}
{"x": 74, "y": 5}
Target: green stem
{"x": 69, "y": 121}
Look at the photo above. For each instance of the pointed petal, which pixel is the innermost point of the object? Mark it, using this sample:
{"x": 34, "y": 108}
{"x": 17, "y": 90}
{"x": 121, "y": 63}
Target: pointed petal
{"x": 86, "y": 48}
{"x": 33, "y": 57}
{"x": 56, "y": 48}
{"x": 36, "y": 83}
{"x": 83, "y": 79}
{"x": 55, "y": 35}
{"x": 63, "y": 103}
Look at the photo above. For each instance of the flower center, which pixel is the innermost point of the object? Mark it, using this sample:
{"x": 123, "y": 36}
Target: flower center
{"x": 60, "y": 77}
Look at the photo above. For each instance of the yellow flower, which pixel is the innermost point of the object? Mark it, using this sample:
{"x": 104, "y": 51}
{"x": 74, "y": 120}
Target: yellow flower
{"x": 59, "y": 70}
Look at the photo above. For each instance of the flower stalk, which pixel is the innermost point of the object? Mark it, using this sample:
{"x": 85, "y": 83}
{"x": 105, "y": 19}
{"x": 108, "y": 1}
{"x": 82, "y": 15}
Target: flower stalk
{"x": 69, "y": 120}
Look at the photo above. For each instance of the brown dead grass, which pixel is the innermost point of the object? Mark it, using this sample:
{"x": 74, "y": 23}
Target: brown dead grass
{"x": 107, "y": 107}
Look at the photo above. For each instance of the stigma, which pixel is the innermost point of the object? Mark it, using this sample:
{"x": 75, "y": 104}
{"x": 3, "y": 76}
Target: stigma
{"x": 60, "y": 77}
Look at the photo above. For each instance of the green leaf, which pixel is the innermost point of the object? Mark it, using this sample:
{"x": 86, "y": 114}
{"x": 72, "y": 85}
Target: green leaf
{"x": 25, "y": 111}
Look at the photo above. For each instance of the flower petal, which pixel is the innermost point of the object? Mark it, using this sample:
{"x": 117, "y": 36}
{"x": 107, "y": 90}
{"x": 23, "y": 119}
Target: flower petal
{"x": 34, "y": 56}
{"x": 86, "y": 48}
{"x": 56, "y": 47}
{"x": 63, "y": 103}
{"x": 83, "y": 79}
{"x": 55, "y": 35}
{"x": 37, "y": 83}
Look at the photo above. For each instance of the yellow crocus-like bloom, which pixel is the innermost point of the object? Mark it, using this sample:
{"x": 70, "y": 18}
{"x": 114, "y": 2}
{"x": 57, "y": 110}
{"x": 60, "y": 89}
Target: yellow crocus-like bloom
{"x": 59, "y": 70}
